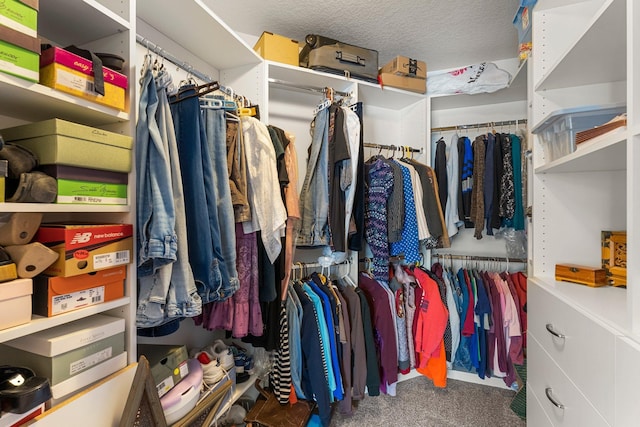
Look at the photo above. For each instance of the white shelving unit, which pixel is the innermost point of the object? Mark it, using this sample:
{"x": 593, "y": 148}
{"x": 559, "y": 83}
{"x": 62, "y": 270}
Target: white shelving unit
{"x": 102, "y": 26}
{"x": 585, "y": 53}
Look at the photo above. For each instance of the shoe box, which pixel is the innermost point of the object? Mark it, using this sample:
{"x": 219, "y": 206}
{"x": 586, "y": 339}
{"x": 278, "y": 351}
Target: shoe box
{"x": 88, "y": 186}
{"x": 168, "y": 364}
{"x": 19, "y": 42}
{"x": 58, "y": 295}
{"x": 15, "y": 302}
{"x": 61, "y": 142}
{"x": 70, "y": 73}
{"x": 85, "y": 248}
{"x": 71, "y": 355}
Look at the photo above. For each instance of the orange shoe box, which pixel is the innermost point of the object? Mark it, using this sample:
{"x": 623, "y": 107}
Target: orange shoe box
{"x": 57, "y": 295}
{"x": 84, "y": 248}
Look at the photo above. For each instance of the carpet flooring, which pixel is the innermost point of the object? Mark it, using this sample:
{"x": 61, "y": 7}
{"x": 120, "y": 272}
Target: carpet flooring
{"x": 419, "y": 404}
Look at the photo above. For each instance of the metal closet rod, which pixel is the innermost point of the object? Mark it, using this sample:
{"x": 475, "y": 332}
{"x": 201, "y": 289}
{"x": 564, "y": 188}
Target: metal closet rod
{"x": 306, "y": 88}
{"x": 299, "y": 265}
{"x": 393, "y": 147}
{"x": 169, "y": 57}
{"x": 477, "y": 258}
{"x": 480, "y": 125}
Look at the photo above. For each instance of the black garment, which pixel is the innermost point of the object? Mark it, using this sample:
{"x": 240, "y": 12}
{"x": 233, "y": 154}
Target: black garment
{"x": 373, "y": 370}
{"x": 278, "y": 146}
{"x": 338, "y": 156}
{"x": 498, "y": 164}
{"x": 441, "y": 172}
{"x": 432, "y": 212}
{"x": 356, "y": 239}
{"x": 436, "y": 275}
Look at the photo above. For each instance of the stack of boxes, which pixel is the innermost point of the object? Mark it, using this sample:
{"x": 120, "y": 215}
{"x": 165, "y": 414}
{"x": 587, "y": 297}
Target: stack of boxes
{"x": 72, "y": 355}
{"x": 90, "y": 165}
{"x": 19, "y": 43}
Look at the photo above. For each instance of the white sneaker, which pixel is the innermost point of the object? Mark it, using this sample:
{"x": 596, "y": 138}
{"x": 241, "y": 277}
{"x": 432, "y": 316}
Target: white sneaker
{"x": 223, "y": 353}
{"x": 212, "y": 372}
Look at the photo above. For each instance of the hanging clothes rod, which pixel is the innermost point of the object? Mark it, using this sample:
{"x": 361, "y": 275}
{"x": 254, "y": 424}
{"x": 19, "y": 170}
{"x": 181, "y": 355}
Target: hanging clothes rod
{"x": 480, "y": 125}
{"x": 302, "y": 265}
{"x": 393, "y": 147}
{"x": 306, "y": 88}
{"x": 169, "y": 57}
{"x": 477, "y": 258}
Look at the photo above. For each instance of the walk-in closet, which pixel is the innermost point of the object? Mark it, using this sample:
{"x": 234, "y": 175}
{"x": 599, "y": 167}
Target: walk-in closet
{"x": 285, "y": 213}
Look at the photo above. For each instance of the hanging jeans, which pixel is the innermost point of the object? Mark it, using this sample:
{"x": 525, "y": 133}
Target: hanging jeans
{"x": 314, "y": 196}
{"x": 203, "y": 228}
{"x": 166, "y": 286}
{"x": 216, "y": 131}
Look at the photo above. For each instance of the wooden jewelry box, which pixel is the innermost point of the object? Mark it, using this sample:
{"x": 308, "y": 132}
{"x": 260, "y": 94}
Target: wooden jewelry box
{"x": 590, "y": 276}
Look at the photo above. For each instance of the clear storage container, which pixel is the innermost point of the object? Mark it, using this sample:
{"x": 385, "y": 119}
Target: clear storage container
{"x": 557, "y": 134}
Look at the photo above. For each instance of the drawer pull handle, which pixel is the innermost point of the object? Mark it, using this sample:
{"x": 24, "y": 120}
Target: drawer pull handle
{"x": 555, "y": 403}
{"x": 554, "y": 332}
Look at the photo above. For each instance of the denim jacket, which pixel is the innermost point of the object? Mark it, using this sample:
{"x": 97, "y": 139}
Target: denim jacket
{"x": 314, "y": 197}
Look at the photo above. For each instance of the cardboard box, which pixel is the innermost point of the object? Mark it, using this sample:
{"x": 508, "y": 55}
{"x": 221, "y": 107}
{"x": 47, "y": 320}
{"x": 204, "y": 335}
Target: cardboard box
{"x": 405, "y": 66}
{"x": 76, "y": 83}
{"x": 84, "y": 248}
{"x": 15, "y": 302}
{"x": 19, "y": 54}
{"x": 93, "y": 193}
{"x": 59, "y": 367}
{"x": 74, "y": 173}
{"x": 411, "y": 84}
{"x": 73, "y": 74}
{"x": 274, "y": 47}
{"x": 168, "y": 364}
{"x": 87, "y": 377}
{"x": 69, "y": 336}
{"x": 9, "y": 419}
{"x": 21, "y": 16}
{"x": 61, "y": 142}
{"x": 57, "y": 295}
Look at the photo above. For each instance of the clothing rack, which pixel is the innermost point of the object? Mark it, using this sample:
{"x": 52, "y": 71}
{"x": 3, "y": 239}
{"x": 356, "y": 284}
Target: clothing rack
{"x": 480, "y": 125}
{"x": 169, "y": 57}
{"x": 393, "y": 147}
{"x": 314, "y": 89}
{"x": 478, "y": 258}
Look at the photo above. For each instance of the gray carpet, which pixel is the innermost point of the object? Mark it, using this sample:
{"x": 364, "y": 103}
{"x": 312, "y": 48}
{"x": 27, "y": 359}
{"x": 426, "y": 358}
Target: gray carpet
{"x": 419, "y": 404}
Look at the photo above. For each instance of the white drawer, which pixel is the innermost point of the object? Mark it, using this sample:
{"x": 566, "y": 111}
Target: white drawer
{"x": 550, "y": 384}
{"x": 627, "y": 380}
{"x": 585, "y": 352}
{"x": 536, "y": 417}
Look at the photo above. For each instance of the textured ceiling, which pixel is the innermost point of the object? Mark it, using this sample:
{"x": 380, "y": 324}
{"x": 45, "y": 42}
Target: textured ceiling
{"x": 443, "y": 33}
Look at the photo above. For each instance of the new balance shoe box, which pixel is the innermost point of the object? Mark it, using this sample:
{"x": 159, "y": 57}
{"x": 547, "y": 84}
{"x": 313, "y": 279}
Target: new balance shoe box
{"x": 88, "y": 186}
{"x": 64, "y": 351}
{"x": 58, "y": 295}
{"x": 19, "y": 54}
{"x": 73, "y": 74}
{"x": 15, "y": 302}
{"x": 168, "y": 364}
{"x": 85, "y": 248}
{"x": 20, "y": 15}
{"x": 60, "y": 142}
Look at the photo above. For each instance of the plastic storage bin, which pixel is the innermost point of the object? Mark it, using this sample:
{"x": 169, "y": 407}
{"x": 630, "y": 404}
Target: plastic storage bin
{"x": 557, "y": 134}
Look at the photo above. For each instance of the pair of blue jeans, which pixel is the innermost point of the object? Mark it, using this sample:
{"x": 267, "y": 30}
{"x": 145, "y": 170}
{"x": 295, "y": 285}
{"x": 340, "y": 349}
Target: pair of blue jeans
{"x": 216, "y": 130}
{"x": 166, "y": 286}
{"x": 203, "y": 227}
